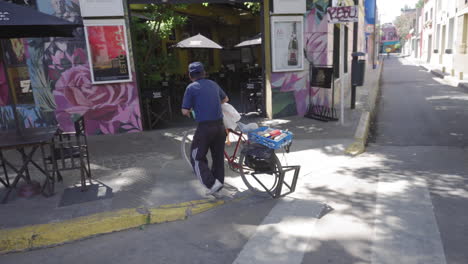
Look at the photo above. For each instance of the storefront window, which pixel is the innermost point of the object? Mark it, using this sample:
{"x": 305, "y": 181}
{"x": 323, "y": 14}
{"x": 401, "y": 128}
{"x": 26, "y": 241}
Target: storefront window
{"x": 15, "y": 63}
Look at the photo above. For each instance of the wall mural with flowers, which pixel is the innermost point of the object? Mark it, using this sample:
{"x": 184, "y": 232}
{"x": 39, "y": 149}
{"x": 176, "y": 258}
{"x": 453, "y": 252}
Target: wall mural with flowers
{"x": 291, "y": 91}
{"x": 61, "y": 81}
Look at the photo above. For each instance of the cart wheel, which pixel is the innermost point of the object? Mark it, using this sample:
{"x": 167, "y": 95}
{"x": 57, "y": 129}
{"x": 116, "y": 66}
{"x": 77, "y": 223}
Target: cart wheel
{"x": 261, "y": 183}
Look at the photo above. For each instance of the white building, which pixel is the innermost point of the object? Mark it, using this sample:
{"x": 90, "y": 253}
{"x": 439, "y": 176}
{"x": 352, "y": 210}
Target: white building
{"x": 460, "y": 63}
{"x": 427, "y": 24}
{"x": 444, "y": 26}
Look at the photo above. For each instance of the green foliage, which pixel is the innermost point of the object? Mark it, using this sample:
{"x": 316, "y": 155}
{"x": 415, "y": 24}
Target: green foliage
{"x": 404, "y": 23}
{"x": 420, "y": 4}
{"x": 159, "y": 23}
{"x": 254, "y": 8}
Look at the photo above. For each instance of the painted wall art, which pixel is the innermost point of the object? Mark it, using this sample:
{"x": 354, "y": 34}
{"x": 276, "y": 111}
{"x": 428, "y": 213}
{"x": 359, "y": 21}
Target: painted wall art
{"x": 61, "y": 80}
{"x": 291, "y": 90}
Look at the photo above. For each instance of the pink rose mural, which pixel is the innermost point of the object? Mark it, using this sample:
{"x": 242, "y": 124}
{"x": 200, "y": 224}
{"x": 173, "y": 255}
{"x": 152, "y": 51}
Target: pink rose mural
{"x": 108, "y": 108}
{"x": 61, "y": 78}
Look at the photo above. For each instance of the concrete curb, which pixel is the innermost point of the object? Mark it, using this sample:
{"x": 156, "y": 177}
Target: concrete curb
{"x": 360, "y": 136}
{"x": 439, "y": 73}
{"x": 46, "y": 235}
{"x": 463, "y": 85}
{"x": 362, "y": 131}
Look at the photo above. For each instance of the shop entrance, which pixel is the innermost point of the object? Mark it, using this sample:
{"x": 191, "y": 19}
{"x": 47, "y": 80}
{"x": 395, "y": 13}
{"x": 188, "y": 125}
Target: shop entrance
{"x": 162, "y": 67}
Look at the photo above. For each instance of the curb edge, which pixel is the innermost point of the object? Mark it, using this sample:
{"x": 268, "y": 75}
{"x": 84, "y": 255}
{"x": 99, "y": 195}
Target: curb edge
{"x": 53, "y": 234}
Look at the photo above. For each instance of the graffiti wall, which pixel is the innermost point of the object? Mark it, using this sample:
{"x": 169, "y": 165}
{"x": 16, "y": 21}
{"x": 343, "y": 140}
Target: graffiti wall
{"x": 61, "y": 81}
{"x": 291, "y": 92}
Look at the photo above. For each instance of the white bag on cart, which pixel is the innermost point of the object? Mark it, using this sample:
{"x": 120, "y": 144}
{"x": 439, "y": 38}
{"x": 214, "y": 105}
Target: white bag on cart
{"x": 230, "y": 116}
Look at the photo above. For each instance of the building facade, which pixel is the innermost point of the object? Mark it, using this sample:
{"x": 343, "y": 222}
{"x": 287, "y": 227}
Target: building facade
{"x": 460, "y": 63}
{"x": 427, "y": 22}
{"x": 439, "y": 37}
{"x": 62, "y": 71}
{"x": 58, "y": 73}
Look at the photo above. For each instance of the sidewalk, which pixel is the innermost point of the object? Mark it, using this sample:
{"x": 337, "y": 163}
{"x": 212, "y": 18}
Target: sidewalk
{"x": 437, "y": 71}
{"x": 140, "y": 178}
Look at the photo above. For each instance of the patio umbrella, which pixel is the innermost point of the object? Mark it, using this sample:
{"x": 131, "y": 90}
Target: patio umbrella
{"x": 250, "y": 43}
{"x": 198, "y": 42}
{"x": 21, "y": 22}
{"x": 257, "y": 40}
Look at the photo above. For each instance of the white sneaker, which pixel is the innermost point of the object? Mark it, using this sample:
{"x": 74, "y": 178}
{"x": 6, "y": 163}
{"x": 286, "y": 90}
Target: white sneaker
{"x": 224, "y": 194}
{"x": 216, "y": 187}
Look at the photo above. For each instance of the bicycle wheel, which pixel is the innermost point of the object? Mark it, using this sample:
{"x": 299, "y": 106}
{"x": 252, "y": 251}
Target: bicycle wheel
{"x": 261, "y": 183}
{"x": 187, "y": 139}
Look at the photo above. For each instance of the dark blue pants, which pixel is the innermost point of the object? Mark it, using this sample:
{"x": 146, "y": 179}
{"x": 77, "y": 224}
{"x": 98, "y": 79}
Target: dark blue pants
{"x": 211, "y": 136}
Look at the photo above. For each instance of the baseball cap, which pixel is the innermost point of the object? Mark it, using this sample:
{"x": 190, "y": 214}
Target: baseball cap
{"x": 196, "y": 67}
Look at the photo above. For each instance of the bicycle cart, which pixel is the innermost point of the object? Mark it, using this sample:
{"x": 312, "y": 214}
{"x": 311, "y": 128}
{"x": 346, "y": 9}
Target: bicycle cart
{"x": 255, "y": 159}
{"x": 261, "y": 170}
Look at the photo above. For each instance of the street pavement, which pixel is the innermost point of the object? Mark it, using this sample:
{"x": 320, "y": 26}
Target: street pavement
{"x": 402, "y": 201}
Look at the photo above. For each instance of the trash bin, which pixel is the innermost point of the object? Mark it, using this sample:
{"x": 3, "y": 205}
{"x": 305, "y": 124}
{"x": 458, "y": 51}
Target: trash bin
{"x": 358, "y": 69}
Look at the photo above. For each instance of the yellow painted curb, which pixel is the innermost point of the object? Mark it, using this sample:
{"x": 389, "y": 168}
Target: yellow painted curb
{"x": 355, "y": 148}
{"x": 37, "y": 236}
{"x": 360, "y": 137}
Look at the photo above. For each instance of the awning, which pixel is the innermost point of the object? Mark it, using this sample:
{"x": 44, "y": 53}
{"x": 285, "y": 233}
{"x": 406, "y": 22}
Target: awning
{"x": 20, "y": 22}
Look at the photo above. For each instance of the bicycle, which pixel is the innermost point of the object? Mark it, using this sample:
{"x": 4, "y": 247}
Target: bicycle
{"x": 232, "y": 159}
{"x": 264, "y": 180}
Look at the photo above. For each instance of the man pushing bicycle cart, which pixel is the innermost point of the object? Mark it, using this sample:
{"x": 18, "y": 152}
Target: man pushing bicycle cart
{"x": 204, "y": 97}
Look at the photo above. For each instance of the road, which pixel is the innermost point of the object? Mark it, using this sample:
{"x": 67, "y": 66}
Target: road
{"x": 403, "y": 201}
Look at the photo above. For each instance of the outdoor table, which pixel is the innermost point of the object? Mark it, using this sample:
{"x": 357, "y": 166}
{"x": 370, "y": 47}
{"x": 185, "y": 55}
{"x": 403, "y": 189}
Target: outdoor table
{"x": 26, "y": 142}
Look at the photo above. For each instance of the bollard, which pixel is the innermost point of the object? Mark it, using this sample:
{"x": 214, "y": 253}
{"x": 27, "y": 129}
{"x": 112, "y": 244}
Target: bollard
{"x": 461, "y": 76}
{"x": 443, "y": 69}
{"x": 453, "y": 72}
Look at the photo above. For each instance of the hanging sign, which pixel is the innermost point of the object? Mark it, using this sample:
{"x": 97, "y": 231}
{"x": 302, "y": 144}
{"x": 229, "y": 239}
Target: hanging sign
{"x": 322, "y": 77}
{"x": 101, "y": 8}
{"x": 289, "y": 6}
{"x": 342, "y": 14}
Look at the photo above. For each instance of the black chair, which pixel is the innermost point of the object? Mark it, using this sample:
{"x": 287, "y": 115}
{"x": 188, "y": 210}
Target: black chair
{"x": 6, "y": 181}
{"x": 157, "y": 105}
{"x": 69, "y": 151}
{"x": 252, "y": 96}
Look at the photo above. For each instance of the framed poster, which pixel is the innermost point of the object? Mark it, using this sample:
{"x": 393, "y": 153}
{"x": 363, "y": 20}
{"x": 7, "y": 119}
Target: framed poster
{"x": 101, "y": 8}
{"x": 289, "y": 7}
{"x": 108, "y": 54}
{"x": 287, "y": 43}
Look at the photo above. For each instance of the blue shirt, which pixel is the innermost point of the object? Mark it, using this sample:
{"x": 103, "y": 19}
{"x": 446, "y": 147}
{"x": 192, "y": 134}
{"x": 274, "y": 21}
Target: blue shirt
{"x": 204, "y": 97}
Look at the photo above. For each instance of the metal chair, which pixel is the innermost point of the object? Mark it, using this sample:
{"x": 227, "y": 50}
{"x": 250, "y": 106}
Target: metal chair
{"x": 251, "y": 96}
{"x": 6, "y": 181}
{"x": 69, "y": 151}
{"x": 157, "y": 107}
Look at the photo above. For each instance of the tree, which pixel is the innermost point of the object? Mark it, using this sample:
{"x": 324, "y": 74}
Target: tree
{"x": 404, "y": 23}
{"x": 155, "y": 23}
{"x": 420, "y": 4}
